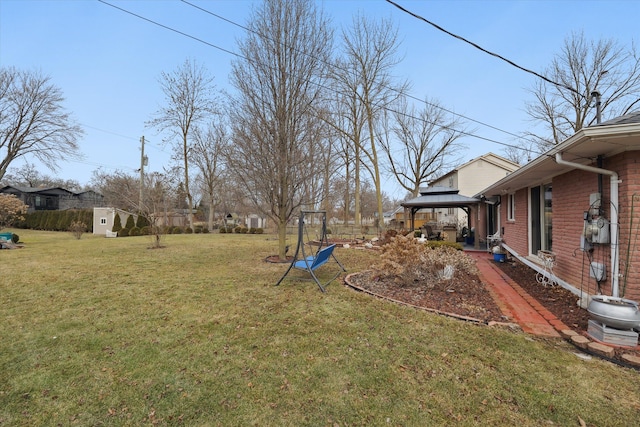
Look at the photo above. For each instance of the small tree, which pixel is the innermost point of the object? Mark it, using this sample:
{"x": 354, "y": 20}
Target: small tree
{"x": 77, "y": 228}
{"x": 11, "y": 209}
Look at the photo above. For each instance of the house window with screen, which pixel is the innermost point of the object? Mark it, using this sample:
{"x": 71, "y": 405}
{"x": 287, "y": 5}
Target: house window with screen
{"x": 511, "y": 207}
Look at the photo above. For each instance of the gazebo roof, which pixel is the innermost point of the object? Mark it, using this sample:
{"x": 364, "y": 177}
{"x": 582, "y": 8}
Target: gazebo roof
{"x": 440, "y": 197}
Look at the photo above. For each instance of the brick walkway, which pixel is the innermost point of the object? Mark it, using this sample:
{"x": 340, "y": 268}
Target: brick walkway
{"x": 515, "y": 302}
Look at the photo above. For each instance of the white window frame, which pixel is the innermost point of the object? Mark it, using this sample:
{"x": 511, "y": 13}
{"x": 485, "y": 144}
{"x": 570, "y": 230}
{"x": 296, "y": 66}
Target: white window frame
{"x": 511, "y": 207}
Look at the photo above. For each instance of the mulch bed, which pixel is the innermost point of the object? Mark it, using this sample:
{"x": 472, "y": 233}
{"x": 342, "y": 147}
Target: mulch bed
{"x": 467, "y": 298}
{"x": 464, "y": 296}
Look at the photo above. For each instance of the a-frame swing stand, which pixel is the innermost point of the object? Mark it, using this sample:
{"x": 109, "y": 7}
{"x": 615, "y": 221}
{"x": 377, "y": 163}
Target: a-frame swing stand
{"x": 309, "y": 263}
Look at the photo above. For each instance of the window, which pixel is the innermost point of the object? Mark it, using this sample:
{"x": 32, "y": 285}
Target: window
{"x": 103, "y": 221}
{"x": 511, "y": 207}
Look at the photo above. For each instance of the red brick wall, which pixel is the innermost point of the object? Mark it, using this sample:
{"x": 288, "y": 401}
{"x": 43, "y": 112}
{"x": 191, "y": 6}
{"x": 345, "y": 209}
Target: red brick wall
{"x": 515, "y": 232}
{"x": 628, "y": 167}
{"x": 570, "y": 199}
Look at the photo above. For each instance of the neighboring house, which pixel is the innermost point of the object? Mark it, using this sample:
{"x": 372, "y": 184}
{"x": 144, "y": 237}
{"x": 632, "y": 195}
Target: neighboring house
{"x": 470, "y": 178}
{"x": 54, "y": 198}
{"x": 581, "y": 202}
{"x": 103, "y": 219}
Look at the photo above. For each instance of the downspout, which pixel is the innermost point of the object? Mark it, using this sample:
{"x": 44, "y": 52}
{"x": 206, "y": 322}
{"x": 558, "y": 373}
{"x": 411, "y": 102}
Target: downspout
{"x": 615, "y": 250}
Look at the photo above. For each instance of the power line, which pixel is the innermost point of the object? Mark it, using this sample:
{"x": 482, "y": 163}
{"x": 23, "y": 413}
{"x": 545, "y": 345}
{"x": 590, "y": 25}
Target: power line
{"x": 170, "y": 29}
{"x": 415, "y": 98}
{"x": 252, "y": 60}
{"x": 508, "y": 61}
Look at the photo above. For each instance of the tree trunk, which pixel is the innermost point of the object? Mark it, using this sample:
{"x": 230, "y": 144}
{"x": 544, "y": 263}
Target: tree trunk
{"x": 211, "y": 214}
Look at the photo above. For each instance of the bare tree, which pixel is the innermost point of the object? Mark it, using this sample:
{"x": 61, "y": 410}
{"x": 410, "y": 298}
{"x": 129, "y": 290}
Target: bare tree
{"x": 30, "y": 176}
{"x": 154, "y": 204}
{"x": 206, "y": 154}
{"x": 279, "y": 80}
{"x": 348, "y": 120}
{"x": 190, "y": 99}
{"x": 580, "y": 69}
{"x": 119, "y": 189}
{"x": 33, "y": 121}
{"x": 419, "y": 144}
{"x": 371, "y": 53}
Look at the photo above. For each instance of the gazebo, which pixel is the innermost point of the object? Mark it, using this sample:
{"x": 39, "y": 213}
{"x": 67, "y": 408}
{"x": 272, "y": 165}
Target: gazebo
{"x": 442, "y": 197}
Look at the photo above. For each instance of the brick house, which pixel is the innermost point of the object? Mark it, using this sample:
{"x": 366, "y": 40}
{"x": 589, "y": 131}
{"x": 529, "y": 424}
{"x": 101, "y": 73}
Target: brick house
{"x": 581, "y": 202}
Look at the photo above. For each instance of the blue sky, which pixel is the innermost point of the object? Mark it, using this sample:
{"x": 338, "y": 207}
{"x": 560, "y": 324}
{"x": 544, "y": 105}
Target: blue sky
{"x": 107, "y": 62}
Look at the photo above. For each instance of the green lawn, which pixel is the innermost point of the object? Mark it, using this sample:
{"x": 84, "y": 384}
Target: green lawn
{"x": 107, "y": 332}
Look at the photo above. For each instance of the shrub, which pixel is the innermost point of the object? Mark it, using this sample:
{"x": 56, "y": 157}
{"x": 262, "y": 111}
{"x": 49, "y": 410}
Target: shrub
{"x": 223, "y": 230}
{"x": 259, "y": 231}
{"x": 142, "y": 222}
{"x": 145, "y": 231}
{"x": 117, "y": 223}
{"x": 135, "y": 231}
{"x": 205, "y": 230}
{"x": 440, "y": 243}
{"x": 131, "y": 222}
{"x": 244, "y": 230}
{"x": 410, "y": 263}
{"x": 197, "y": 229}
{"x": 77, "y": 228}
{"x": 177, "y": 230}
{"x": 237, "y": 229}
{"x": 124, "y": 232}
{"x": 188, "y": 230}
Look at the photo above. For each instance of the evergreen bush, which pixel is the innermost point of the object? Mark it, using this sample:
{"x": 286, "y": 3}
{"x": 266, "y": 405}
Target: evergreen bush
{"x": 135, "y": 231}
{"x": 124, "y": 232}
{"x": 205, "y": 230}
{"x": 117, "y": 223}
{"x": 131, "y": 222}
{"x": 188, "y": 230}
{"x": 177, "y": 230}
{"x": 259, "y": 230}
{"x": 142, "y": 221}
{"x": 145, "y": 231}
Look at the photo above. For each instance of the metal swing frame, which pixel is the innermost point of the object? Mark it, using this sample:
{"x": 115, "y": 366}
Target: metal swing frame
{"x": 310, "y": 263}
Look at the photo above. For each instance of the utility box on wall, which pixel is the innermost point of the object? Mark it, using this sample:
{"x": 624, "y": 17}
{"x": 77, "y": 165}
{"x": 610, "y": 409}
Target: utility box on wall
{"x": 598, "y": 271}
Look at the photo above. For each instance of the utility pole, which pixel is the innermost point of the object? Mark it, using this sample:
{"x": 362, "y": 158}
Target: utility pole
{"x": 143, "y": 162}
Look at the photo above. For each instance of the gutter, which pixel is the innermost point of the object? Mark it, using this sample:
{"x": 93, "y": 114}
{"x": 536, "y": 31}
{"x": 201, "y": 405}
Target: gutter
{"x": 615, "y": 250}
